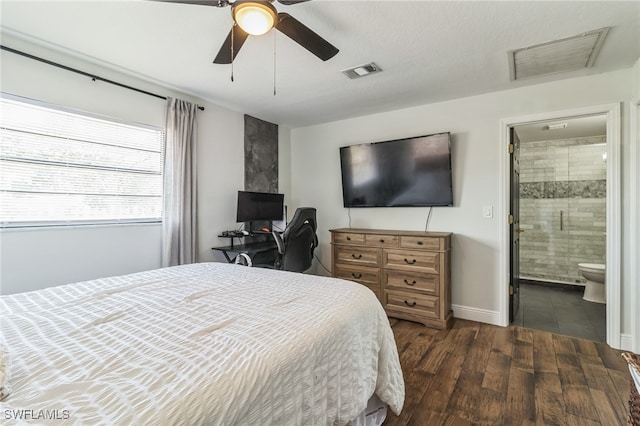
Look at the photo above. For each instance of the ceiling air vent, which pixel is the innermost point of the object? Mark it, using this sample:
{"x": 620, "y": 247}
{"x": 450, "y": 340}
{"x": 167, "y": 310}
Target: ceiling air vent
{"x": 362, "y": 70}
{"x": 567, "y": 54}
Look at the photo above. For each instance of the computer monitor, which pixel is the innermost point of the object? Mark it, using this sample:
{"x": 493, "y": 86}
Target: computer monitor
{"x": 259, "y": 206}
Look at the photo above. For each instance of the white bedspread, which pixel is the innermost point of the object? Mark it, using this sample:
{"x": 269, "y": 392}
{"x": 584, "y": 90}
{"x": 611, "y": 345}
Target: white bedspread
{"x": 208, "y": 343}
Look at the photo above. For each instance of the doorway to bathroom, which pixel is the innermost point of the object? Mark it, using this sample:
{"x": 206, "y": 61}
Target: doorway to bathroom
{"x": 568, "y": 196}
{"x": 562, "y": 226}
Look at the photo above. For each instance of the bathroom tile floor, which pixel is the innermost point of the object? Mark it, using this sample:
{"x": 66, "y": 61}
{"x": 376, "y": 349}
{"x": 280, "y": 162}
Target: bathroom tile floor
{"x": 561, "y": 311}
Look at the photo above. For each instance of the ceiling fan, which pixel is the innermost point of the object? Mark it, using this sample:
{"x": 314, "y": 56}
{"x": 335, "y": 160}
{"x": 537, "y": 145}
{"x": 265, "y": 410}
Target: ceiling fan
{"x": 257, "y": 18}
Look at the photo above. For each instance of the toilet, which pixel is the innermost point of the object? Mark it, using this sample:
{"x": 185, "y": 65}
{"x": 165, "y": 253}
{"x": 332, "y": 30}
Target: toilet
{"x": 594, "y": 273}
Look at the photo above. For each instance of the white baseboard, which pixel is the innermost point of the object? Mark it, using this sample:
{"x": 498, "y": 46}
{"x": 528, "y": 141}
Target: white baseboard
{"x": 475, "y": 314}
{"x": 626, "y": 342}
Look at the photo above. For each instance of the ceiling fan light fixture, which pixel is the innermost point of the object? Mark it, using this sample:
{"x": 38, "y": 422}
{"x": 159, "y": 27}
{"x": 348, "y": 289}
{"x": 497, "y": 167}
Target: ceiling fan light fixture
{"x": 255, "y": 18}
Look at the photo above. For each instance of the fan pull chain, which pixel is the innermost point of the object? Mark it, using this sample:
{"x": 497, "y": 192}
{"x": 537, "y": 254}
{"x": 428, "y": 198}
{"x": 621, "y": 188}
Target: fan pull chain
{"x": 232, "y": 38}
{"x": 274, "y": 62}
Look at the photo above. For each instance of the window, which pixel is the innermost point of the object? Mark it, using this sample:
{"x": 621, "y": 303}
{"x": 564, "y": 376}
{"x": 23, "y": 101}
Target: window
{"x": 59, "y": 166}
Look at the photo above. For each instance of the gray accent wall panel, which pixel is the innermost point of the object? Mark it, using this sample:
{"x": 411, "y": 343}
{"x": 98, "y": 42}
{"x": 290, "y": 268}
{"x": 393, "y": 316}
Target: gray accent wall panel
{"x": 260, "y": 155}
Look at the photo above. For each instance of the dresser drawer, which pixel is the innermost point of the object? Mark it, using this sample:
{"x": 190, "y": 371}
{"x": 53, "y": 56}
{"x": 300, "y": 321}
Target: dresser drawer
{"x": 412, "y": 260}
{"x": 375, "y": 240}
{"x": 355, "y": 254}
{"x": 411, "y": 303}
{"x": 365, "y": 275}
{"x": 362, "y": 274}
{"x": 348, "y": 238}
{"x": 418, "y": 242}
{"x": 426, "y": 283}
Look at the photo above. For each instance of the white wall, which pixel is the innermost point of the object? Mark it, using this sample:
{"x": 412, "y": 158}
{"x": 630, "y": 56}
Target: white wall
{"x": 284, "y": 165}
{"x": 474, "y": 124}
{"x": 634, "y": 204}
{"x": 38, "y": 258}
{"x": 220, "y": 176}
{"x": 34, "y": 258}
{"x": 636, "y": 80}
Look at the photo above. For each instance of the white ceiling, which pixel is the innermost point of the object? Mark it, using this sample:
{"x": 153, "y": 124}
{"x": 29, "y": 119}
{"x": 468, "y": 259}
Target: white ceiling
{"x": 429, "y": 51}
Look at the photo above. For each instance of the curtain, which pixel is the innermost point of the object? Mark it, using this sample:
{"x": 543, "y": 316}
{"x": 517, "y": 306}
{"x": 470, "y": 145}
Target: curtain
{"x": 179, "y": 227}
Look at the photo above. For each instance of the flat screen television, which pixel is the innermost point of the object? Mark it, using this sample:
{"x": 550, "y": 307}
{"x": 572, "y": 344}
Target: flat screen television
{"x": 411, "y": 172}
{"x": 254, "y": 206}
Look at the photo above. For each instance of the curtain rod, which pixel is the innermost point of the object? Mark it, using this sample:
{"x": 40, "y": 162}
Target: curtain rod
{"x": 86, "y": 74}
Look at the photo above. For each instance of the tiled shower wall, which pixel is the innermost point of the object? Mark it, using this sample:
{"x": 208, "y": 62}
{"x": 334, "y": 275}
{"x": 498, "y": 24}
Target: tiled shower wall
{"x": 562, "y": 207}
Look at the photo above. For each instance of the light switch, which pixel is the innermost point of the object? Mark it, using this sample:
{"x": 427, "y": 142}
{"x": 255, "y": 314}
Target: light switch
{"x": 487, "y": 212}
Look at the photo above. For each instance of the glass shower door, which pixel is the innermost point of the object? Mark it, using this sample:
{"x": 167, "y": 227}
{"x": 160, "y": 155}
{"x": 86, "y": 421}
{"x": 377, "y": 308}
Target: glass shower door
{"x": 544, "y": 211}
{"x": 560, "y": 241}
{"x": 587, "y": 204}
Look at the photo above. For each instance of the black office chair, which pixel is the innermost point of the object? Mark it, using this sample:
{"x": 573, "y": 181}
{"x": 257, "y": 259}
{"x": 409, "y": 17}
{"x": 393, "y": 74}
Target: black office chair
{"x": 298, "y": 242}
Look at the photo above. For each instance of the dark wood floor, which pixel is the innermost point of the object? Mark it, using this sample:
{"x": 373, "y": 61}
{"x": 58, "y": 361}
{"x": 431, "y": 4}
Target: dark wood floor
{"x": 483, "y": 374}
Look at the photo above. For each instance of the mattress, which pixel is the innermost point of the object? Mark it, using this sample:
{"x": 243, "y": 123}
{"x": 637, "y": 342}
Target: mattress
{"x": 207, "y": 343}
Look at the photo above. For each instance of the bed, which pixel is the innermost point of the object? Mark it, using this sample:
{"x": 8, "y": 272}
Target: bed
{"x": 206, "y": 343}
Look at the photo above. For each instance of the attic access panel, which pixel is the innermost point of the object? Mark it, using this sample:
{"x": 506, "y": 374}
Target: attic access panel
{"x": 567, "y": 54}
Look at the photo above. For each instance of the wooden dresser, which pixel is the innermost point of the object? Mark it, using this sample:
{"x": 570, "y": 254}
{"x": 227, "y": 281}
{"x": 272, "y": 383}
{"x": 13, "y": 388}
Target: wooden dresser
{"x": 408, "y": 270}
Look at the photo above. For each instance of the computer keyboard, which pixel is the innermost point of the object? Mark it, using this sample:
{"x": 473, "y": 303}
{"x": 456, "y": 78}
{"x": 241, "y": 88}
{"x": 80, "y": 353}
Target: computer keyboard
{"x": 233, "y": 234}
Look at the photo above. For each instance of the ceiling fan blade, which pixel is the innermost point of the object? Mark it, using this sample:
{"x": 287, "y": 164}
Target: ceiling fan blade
{"x": 224, "y": 54}
{"x": 216, "y": 3}
{"x": 305, "y": 37}
{"x": 291, "y": 2}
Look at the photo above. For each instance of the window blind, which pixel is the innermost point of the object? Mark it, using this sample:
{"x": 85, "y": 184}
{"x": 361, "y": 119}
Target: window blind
{"x": 59, "y": 166}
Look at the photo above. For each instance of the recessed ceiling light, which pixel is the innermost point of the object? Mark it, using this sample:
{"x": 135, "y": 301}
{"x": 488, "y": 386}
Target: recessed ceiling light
{"x": 362, "y": 70}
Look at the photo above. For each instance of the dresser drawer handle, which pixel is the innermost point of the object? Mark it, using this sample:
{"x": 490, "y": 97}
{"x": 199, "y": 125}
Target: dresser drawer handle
{"x": 354, "y": 275}
{"x": 356, "y": 257}
{"x": 410, "y": 283}
{"x": 348, "y": 238}
{"x": 381, "y": 240}
{"x": 410, "y": 262}
{"x": 420, "y": 243}
{"x": 411, "y": 305}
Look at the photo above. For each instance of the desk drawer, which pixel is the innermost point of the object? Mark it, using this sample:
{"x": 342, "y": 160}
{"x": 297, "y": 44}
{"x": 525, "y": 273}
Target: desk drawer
{"x": 358, "y": 255}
